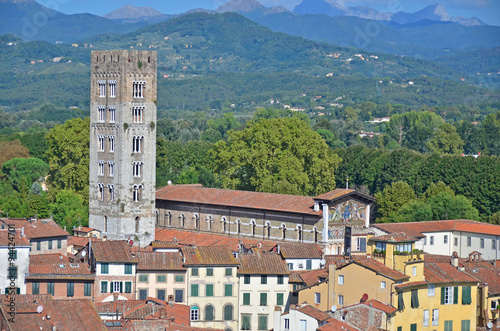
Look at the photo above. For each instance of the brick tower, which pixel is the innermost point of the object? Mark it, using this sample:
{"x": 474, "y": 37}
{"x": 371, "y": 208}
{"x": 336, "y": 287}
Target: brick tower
{"x": 123, "y": 145}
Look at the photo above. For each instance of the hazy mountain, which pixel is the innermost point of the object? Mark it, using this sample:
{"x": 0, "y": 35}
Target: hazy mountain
{"x": 132, "y": 12}
{"x": 319, "y": 7}
{"x": 249, "y": 8}
{"x": 434, "y": 12}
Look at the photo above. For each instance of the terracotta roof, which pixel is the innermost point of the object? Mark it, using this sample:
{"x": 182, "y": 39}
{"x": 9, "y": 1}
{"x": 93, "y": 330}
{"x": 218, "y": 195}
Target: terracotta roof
{"x": 445, "y": 273}
{"x": 312, "y": 277}
{"x": 257, "y": 262}
{"x": 56, "y": 266}
{"x": 159, "y": 261}
{"x": 300, "y": 251}
{"x": 336, "y": 325}
{"x": 294, "y": 276}
{"x": 84, "y": 229}
{"x": 314, "y": 313}
{"x": 379, "y": 268}
{"x": 380, "y": 306}
{"x": 164, "y": 326}
{"x": 112, "y": 251}
{"x": 43, "y": 228}
{"x": 80, "y": 241}
{"x": 74, "y": 314}
{"x": 341, "y": 193}
{"x": 195, "y": 238}
{"x": 486, "y": 274}
{"x": 396, "y": 237}
{"x": 412, "y": 284}
{"x": 165, "y": 244}
{"x": 417, "y": 229}
{"x": 14, "y": 238}
{"x": 340, "y": 260}
{"x": 212, "y": 255}
{"x": 243, "y": 199}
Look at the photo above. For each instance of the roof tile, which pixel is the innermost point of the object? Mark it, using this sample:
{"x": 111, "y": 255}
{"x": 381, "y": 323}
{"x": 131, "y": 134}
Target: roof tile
{"x": 112, "y": 251}
{"x": 416, "y": 229}
{"x": 42, "y": 228}
{"x": 212, "y": 255}
{"x": 159, "y": 261}
{"x": 258, "y": 262}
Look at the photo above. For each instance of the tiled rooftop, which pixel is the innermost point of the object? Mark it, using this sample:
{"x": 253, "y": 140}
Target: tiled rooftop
{"x": 486, "y": 273}
{"x": 417, "y": 229}
{"x": 380, "y": 306}
{"x": 14, "y": 238}
{"x": 314, "y": 313}
{"x": 378, "y": 268}
{"x": 42, "y": 228}
{"x": 438, "y": 272}
{"x": 212, "y": 255}
{"x": 56, "y": 266}
{"x": 159, "y": 261}
{"x": 342, "y": 193}
{"x": 396, "y": 237}
{"x": 311, "y": 277}
{"x": 300, "y": 251}
{"x": 117, "y": 251}
{"x": 258, "y": 262}
{"x": 336, "y": 325}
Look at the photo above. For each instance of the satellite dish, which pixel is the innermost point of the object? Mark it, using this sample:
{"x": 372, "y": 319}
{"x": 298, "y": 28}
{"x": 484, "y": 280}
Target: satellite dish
{"x": 84, "y": 253}
{"x": 334, "y": 308}
{"x": 490, "y": 325}
{"x": 39, "y": 309}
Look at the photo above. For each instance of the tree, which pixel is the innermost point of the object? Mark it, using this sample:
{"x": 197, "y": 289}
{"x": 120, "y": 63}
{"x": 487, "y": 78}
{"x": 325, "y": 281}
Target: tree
{"x": 392, "y": 198}
{"x": 434, "y": 190}
{"x": 276, "y": 155}
{"x": 449, "y": 207}
{"x": 68, "y": 155}
{"x": 495, "y": 218}
{"x": 446, "y": 140}
{"x": 22, "y": 173}
{"x": 414, "y": 211}
{"x": 70, "y": 209}
{"x": 12, "y": 149}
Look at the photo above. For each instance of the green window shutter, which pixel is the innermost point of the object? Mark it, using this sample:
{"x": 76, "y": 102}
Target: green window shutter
{"x": 228, "y": 313}
{"x": 246, "y": 280}
{"x": 104, "y": 287}
{"x": 209, "y": 313}
{"x": 245, "y": 322}
{"x": 210, "y": 271}
{"x": 400, "y": 328}
{"x": 414, "y": 299}
{"x": 35, "y": 288}
{"x": 443, "y": 294}
{"x": 413, "y": 327}
{"x": 246, "y": 299}
{"x": 448, "y": 325}
{"x": 50, "y": 288}
{"x": 209, "y": 290}
{"x": 128, "y": 287}
{"x": 121, "y": 287}
{"x": 401, "y": 303}
{"x": 263, "y": 299}
{"x": 194, "y": 290}
{"x": 466, "y": 295}
{"x": 465, "y": 325}
{"x": 228, "y": 290}
{"x": 279, "y": 299}
{"x": 128, "y": 269}
{"x": 280, "y": 279}
{"x": 229, "y": 271}
{"x": 455, "y": 295}
{"x": 70, "y": 289}
{"x": 263, "y": 322}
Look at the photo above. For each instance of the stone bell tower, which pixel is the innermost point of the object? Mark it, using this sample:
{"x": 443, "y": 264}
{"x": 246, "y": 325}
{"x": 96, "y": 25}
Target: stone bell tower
{"x": 122, "y": 173}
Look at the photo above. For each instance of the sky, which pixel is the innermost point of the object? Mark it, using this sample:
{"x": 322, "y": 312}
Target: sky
{"x": 487, "y": 11}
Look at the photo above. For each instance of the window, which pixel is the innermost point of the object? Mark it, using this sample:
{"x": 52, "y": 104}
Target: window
{"x": 414, "y": 299}
{"x": 143, "y": 278}
{"x": 179, "y": 278}
{"x": 87, "y": 289}
{"x": 469, "y": 241}
{"x": 448, "y": 325}
{"x": 245, "y": 322}
{"x": 425, "y": 240}
{"x": 59, "y": 243}
{"x": 209, "y": 313}
{"x": 137, "y": 165}
{"x": 455, "y": 241}
{"x": 161, "y": 278}
{"x": 128, "y": 287}
{"x": 263, "y": 299}
{"x": 382, "y": 284}
{"x": 280, "y": 279}
{"x": 70, "y": 289}
{"x": 101, "y": 143}
{"x": 228, "y": 290}
{"x": 287, "y": 324}
{"x": 466, "y": 295}
{"x": 435, "y": 317}
{"x": 229, "y": 271}
{"x": 290, "y": 266}
{"x": 209, "y": 290}
{"x": 195, "y": 313}
{"x": 465, "y": 325}
{"x": 112, "y": 88}
{"x": 143, "y": 294}
{"x": 137, "y": 114}
{"x": 100, "y": 171}
{"x": 111, "y": 168}
{"x": 431, "y": 290}
{"x": 117, "y": 287}
{"x": 426, "y": 317}
{"x": 136, "y": 193}
{"x": 431, "y": 240}
{"x": 413, "y": 327}
{"x": 246, "y": 279}
{"x": 35, "y": 288}
{"x": 194, "y": 290}
{"x": 246, "y": 299}
{"x": 414, "y": 271}
{"x": 449, "y": 295}
{"x": 179, "y": 295}
{"x": 493, "y": 244}
{"x": 138, "y": 91}
{"x": 263, "y": 279}
{"x": 308, "y": 264}
{"x": 13, "y": 254}
{"x": 481, "y": 243}
{"x": 341, "y": 280}
{"x": 340, "y": 300}
{"x": 210, "y": 271}
{"x": 317, "y": 298}
{"x": 102, "y": 88}
{"x": 104, "y": 287}
{"x": 401, "y": 302}
{"x": 50, "y": 288}
{"x": 101, "y": 114}
{"x": 38, "y": 245}
{"x": 228, "y": 313}
{"x": 104, "y": 268}
{"x": 445, "y": 239}
{"x": 279, "y": 299}
{"x": 137, "y": 144}
{"x": 303, "y": 325}
{"x": 160, "y": 294}
{"x": 194, "y": 272}
{"x": 112, "y": 114}
{"x": 262, "y": 322}
{"x": 111, "y": 140}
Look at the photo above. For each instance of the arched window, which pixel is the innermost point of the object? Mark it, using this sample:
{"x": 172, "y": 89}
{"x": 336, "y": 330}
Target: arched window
{"x": 268, "y": 229}
{"x": 283, "y": 229}
{"x": 169, "y": 218}
{"x": 228, "y": 312}
{"x": 137, "y": 224}
{"x": 209, "y": 221}
{"x": 101, "y": 191}
{"x": 111, "y": 192}
{"x": 299, "y": 233}
{"x": 137, "y": 192}
{"x": 196, "y": 221}
{"x": 224, "y": 224}
{"x": 182, "y": 220}
{"x": 238, "y": 226}
{"x": 105, "y": 223}
{"x": 194, "y": 313}
{"x": 157, "y": 215}
{"x": 315, "y": 234}
{"x": 209, "y": 313}
{"x": 252, "y": 227}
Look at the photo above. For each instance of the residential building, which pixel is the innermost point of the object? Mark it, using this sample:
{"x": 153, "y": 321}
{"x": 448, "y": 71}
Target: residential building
{"x": 300, "y": 318}
{"x": 14, "y": 254}
{"x": 84, "y": 231}
{"x": 213, "y": 289}
{"x": 446, "y": 237}
{"x": 161, "y": 275}
{"x": 305, "y": 256}
{"x": 59, "y": 276}
{"x": 115, "y": 268}
{"x": 122, "y": 171}
{"x": 263, "y": 286}
{"x": 314, "y": 290}
{"x": 370, "y": 315}
{"x": 45, "y": 235}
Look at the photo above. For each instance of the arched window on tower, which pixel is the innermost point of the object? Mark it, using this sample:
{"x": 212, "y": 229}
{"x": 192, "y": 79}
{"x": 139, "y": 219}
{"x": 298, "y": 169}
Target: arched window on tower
{"x": 137, "y": 192}
{"x": 268, "y": 229}
{"x": 299, "y": 232}
{"x": 100, "y": 188}
{"x": 252, "y": 227}
{"x": 169, "y": 218}
{"x": 105, "y": 223}
{"x": 315, "y": 234}
{"x": 196, "y": 221}
{"x": 111, "y": 188}
{"x": 224, "y": 224}
{"x": 238, "y": 226}
{"x": 283, "y": 230}
{"x": 209, "y": 221}
{"x": 157, "y": 216}
{"x": 182, "y": 221}
{"x": 137, "y": 224}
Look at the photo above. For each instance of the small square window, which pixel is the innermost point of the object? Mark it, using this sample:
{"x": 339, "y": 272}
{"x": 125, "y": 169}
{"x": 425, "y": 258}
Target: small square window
{"x": 161, "y": 278}
{"x": 179, "y": 278}
{"x": 194, "y": 272}
{"x": 246, "y": 279}
{"x": 341, "y": 279}
{"x": 104, "y": 268}
{"x": 382, "y": 284}
{"x": 263, "y": 279}
{"x": 229, "y": 271}
{"x": 210, "y": 271}
{"x": 143, "y": 278}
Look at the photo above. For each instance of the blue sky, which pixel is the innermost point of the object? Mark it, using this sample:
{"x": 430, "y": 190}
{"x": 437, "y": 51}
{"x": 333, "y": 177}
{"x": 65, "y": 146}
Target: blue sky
{"x": 486, "y": 10}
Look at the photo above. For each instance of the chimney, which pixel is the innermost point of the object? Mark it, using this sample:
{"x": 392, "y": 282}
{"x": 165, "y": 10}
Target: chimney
{"x": 316, "y": 206}
{"x": 22, "y": 231}
{"x": 454, "y": 259}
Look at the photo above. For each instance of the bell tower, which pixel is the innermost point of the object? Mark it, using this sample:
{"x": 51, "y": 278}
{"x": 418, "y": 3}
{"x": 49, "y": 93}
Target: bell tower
{"x": 122, "y": 172}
